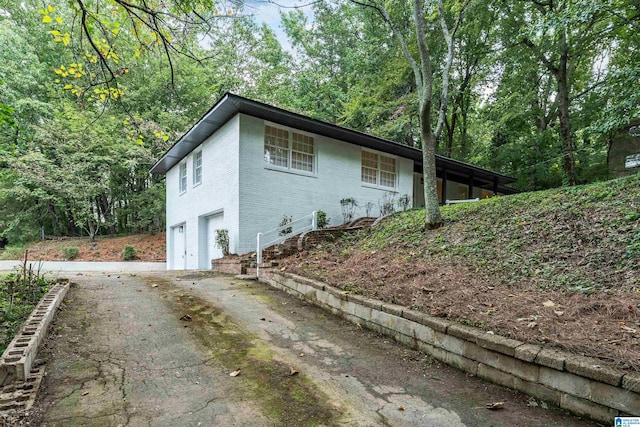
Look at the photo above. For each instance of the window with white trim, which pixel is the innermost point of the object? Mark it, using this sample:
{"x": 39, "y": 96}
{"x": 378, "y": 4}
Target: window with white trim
{"x": 378, "y": 170}
{"x": 288, "y": 149}
{"x": 182, "y": 178}
{"x": 197, "y": 168}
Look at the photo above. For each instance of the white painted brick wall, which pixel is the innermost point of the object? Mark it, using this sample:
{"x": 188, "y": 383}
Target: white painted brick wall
{"x": 218, "y": 191}
{"x": 266, "y": 195}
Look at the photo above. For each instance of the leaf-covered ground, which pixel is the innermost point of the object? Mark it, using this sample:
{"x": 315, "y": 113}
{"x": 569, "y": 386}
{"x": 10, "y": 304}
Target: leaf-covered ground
{"x": 558, "y": 267}
{"x": 149, "y": 247}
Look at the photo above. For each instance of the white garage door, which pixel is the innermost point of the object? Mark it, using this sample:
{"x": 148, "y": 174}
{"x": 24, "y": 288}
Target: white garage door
{"x": 179, "y": 253}
{"x": 214, "y": 222}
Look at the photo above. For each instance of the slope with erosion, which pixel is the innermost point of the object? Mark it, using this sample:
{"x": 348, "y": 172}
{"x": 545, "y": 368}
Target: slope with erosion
{"x": 558, "y": 267}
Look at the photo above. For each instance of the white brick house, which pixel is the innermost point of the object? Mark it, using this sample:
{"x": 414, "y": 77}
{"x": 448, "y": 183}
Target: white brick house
{"x": 244, "y": 165}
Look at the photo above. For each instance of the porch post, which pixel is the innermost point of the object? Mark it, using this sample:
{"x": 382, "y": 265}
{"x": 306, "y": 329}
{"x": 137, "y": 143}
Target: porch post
{"x": 444, "y": 185}
{"x": 259, "y": 249}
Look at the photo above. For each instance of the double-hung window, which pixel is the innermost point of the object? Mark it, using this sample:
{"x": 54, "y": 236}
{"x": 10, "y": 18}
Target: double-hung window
{"x": 182, "y": 181}
{"x": 197, "y": 168}
{"x": 289, "y": 150}
{"x": 378, "y": 170}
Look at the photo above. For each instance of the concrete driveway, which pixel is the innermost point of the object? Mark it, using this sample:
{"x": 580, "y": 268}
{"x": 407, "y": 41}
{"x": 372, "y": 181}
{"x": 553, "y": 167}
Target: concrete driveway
{"x": 64, "y": 266}
{"x": 157, "y": 349}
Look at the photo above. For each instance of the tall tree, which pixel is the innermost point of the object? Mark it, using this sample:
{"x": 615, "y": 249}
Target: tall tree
{"x": 564, "y": 36}
{"x": 424, "y": 66}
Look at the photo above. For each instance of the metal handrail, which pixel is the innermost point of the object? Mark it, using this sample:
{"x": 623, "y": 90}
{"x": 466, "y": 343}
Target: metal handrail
{"x": 306, "y": 223}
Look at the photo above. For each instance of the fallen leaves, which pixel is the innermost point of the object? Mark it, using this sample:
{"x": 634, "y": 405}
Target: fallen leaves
{"x": 235, "y": 373}
{"x": 549, "y": 303}
{"x": 293, "y": 371}
{"x": 186, "y": 318}
{"x": 495, "y": 406}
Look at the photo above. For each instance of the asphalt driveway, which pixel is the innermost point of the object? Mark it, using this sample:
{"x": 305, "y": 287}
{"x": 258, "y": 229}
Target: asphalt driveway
{"x": 158, "y": 349}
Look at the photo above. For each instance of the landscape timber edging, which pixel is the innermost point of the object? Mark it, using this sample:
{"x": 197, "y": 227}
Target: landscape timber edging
{"x": 18, "y": 358}
{"x": 578, "y": 384}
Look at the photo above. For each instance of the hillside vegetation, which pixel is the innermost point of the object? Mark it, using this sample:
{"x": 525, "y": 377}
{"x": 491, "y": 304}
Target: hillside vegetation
{"x": 148, "y": 247}
{"x": 560, "y": 267}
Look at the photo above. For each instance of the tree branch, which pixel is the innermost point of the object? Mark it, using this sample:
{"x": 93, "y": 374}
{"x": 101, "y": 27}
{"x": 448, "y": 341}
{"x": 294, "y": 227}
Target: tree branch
{"x": 398, "y": 35}
{"x": 448, "y": 35}
{"x": 426, "y": 70}
{"x": 538, "y": 53}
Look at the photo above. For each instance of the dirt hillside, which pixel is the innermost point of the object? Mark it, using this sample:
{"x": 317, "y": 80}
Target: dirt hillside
{"x": 149, "y": 247}
{"x": 559, "y": 267}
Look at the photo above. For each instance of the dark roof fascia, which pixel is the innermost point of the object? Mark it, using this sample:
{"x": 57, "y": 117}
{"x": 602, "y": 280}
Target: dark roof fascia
{"x": 192, "y": 138}
{"x": 230, "y": 105}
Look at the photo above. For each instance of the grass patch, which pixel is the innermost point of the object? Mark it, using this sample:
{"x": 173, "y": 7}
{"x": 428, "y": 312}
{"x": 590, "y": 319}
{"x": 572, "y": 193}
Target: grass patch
{"x": 579, "y": 239}
{"x": 12, "y": 252}
{"x": 20, "y": 292}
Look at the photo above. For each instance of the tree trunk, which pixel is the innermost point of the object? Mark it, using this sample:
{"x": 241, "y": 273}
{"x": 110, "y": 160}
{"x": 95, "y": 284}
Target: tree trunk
{"x": 450, "y": 129}
{"x": 431, "y": 204}
{"x": 568, "y": 162}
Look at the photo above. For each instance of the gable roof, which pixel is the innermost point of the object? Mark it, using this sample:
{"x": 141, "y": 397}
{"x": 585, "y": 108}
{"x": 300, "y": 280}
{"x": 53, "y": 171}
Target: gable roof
{"x": 230, "y": 104}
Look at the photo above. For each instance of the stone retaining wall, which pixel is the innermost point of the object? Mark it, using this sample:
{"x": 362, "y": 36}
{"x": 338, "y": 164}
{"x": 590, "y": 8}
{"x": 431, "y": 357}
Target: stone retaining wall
{"x": 581, "y": 385}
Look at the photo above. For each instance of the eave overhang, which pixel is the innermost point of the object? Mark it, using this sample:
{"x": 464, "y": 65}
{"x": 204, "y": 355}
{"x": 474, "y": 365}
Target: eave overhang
{"x": 230, "y": 105}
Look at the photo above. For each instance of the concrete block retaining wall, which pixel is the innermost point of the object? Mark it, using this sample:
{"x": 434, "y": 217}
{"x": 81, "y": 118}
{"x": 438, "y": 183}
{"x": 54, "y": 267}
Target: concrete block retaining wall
{"x": 579, "y": 384}
{"x": 18, "y": 358}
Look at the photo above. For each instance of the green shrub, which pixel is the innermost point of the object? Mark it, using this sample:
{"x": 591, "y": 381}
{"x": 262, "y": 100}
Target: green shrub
{"x": 13, "y": 252}
{"x": 285, "y": 220}
{"x": 222, "y": 240}
{"x": 20, "y": 292}
{"x": 349, "y": 206}
{"x": 70, "y": 253}
{"x": 404, "y": 202}
{"x": 129, "y": 253}
{"x": 323, "y": 221}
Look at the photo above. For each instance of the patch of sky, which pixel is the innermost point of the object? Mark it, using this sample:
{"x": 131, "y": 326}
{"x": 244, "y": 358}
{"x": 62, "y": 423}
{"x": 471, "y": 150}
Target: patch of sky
{"x": 268, "y": 12}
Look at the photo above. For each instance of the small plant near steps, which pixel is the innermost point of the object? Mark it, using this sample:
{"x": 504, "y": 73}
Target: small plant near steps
{"x": 222, "y": 241}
